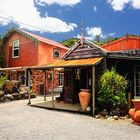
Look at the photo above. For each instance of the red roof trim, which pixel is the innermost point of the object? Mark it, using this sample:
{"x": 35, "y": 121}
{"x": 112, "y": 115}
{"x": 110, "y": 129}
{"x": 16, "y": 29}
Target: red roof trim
{"x": 35, "y": 37}
{"x": 120, "y": 39}
{"x": 45, "y": 40}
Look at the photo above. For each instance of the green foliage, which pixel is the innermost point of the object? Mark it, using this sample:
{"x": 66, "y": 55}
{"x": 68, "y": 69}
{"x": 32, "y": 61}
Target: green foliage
{"x": 100, "y": 43}
{"x": 70, "y": 42}
{"x": 2, "y": 81}
{"x": 112, "y": 90}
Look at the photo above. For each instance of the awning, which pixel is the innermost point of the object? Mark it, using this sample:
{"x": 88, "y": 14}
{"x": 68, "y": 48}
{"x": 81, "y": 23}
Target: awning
{"x": 73, "y": 63}
{"x": 70, "y": 63}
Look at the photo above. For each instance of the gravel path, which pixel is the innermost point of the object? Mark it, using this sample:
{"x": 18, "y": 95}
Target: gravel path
{"x": 18, "y": 121}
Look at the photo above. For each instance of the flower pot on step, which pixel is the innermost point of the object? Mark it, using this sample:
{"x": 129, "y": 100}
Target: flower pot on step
{"x": 84, "y": 97}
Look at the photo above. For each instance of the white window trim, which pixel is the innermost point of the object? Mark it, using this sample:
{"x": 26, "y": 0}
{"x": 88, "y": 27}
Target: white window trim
{"x": 61, "y": 79}
{"x": 13, "y": 49}
{"x": 54, "y": 53}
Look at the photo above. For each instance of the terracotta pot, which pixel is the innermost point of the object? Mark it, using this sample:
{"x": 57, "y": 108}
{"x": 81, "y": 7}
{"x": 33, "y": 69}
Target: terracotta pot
{"x": 132, "y": 113}
{"x": 84, "y": 97}
{"x": 135, "y": 113}
{"x": 136, "y": 103}
{"x": 137, "y": 116}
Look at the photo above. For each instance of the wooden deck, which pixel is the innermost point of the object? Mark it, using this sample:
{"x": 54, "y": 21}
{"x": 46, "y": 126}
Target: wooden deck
{"x": 59, "y": 106}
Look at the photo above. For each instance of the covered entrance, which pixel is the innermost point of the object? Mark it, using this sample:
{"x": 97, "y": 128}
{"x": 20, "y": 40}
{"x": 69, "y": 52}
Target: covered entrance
{"x": 77, "y": 74}
{"x": 82, "y": 64}
{"x": 76, "y": 79}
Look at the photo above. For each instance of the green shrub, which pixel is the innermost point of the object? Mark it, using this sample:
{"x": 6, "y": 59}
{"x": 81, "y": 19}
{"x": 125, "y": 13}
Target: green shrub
{"x": 112, "y": 90}
{"x": 2, "y": 81}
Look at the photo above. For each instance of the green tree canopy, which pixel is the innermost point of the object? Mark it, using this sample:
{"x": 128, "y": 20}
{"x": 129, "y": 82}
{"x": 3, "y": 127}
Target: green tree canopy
{"x": 69, "y": 42}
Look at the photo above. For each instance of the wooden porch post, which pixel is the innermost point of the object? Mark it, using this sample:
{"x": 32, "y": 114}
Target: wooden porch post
{"x": 105, "y": 63}
{"x": 45, "y": 85}
{"x": 25, "y": 75}
{"x": 53, "y": 87}
{"x": 29, "y": 85}
{"x": 93, "y": 90}
{"x": 134, "y": 81}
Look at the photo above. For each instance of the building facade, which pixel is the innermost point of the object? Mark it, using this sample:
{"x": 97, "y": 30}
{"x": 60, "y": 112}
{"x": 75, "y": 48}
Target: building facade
{"x": 23, "y": 49}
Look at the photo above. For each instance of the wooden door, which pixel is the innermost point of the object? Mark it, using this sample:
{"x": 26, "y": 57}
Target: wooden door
{"x": 137, "y": 81}
{"x": 68, "y": 85}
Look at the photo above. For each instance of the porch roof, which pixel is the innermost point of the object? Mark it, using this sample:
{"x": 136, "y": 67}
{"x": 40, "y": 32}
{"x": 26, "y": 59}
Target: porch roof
{"x": 12, "y": 68}
{"x": 70, "y": 63}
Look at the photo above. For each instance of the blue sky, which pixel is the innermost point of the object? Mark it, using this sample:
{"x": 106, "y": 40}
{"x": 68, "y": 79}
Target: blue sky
{"x": 62, "y": 19}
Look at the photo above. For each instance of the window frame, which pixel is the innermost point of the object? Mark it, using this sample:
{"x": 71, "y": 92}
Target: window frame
{"x": 54, "y": 53}
{"x": 14, "y": 48}
{"x": 61, "y": 79}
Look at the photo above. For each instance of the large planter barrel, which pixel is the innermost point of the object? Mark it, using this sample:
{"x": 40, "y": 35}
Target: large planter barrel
{"x": 84, "y": 97}
{"x": 135, "y": 113}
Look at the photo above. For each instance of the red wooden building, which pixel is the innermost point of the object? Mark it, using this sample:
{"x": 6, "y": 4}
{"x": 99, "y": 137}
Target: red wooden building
{"x": 124, "y": 55}
{"x": 127, "y": 42}
{"x": 22, "y": 49}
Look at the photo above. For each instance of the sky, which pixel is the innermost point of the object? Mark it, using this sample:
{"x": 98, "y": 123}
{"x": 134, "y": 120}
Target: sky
{"x": 63, "y": 19}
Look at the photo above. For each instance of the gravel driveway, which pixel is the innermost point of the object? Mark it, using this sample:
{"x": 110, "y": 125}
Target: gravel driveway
{"x": 18, "y": 121}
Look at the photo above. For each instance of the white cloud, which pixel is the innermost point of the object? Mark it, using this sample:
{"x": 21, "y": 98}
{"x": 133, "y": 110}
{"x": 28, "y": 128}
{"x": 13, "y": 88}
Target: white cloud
{"x": 119, "y": 5}
{"x": 94, "y": 31}
{"x": 59, "y": 2}
{"x": 136, "y": 4}
{"x": 26, "y": 12}
{"x": 95, "y": 9}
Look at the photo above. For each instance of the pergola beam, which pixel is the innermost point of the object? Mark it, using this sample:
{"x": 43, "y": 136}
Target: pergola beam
{"x": 53, "y": 87}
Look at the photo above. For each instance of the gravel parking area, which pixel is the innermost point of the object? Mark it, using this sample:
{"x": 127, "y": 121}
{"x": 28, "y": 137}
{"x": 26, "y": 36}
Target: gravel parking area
{"x": 18, "y": 121}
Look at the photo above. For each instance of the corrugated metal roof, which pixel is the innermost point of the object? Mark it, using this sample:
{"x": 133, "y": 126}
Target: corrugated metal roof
{"x": 36, "y": 37}
{"x": 46, "y": 40}
{"x": 74, "y": 63}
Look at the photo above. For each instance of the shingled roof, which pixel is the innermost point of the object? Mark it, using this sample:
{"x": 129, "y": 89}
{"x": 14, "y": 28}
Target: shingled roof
{"x": 84, "y": 49}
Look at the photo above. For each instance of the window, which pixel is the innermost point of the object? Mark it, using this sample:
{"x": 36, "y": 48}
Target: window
{"x": 61, "y": 79}
{"x": 56, "y": 53}
{"x": 15, "y": 49}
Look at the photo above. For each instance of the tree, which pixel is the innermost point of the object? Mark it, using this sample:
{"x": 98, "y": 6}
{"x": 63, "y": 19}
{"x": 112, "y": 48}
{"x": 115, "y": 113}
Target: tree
{"x": 70, "y": 42}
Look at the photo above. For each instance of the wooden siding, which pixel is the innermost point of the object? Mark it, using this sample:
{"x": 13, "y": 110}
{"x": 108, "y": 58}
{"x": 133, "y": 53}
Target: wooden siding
{"x": 85, "y": 51}
{"x": 125, "y": 54}
{"x": 124, "y": 43}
